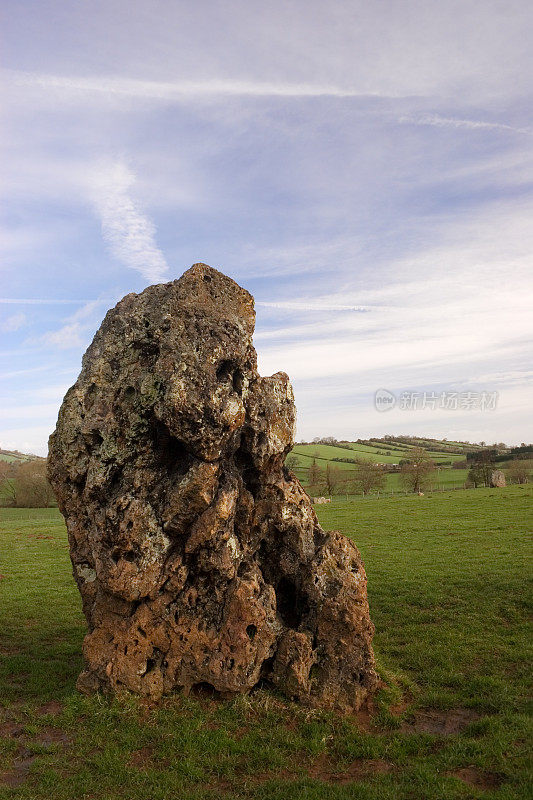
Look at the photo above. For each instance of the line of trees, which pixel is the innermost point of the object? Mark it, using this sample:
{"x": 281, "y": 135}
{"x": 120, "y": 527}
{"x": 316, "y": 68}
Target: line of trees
{"x": 365, "y": 478}
{"x": 484, "y": 462}
{"x": 25, "y": 485}
{"x": 416, "y": 474}
{"x": 519, "y": 471}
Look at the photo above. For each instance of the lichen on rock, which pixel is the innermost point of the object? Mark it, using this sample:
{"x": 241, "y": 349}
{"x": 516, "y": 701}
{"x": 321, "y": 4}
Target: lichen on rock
{"x": 198, "y": 555}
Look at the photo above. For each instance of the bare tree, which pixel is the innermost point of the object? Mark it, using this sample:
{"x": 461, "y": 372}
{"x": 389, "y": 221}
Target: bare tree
{"x": 417, "y": 471}
{"x": 369, "y": 476}
{"x": 292, "y": 461}
{"x": 33, "y": 489}
{"x": 519, "y": 471}
{"x": 8, "y": 483}
{"x": 480, "y": 473}
{"x": 315, "y": 474}
{"x": 333, "y": 477}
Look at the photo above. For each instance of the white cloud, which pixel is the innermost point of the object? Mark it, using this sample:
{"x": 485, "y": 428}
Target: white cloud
{"x": 312, "y": 305}
{"x": 177, "y": 90}
{"x": 27, "y": 439}
{"x": 437, "y": 121}
{"x": 359, "y": 418}
{"x": 33, "y": 411}
{"x": 455, "y": 314}
{"x": 274, "y": 154}
{"x": 13, "y": 323}
{"x": 37, "y": 301}
{"x": 129, "y": 233}
{"x": 75, "y": 331}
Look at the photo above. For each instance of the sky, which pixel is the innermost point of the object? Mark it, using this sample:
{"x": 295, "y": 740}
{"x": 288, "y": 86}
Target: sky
{"x": 364, "y": 169}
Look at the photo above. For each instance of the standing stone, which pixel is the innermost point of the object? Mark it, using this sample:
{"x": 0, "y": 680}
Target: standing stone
{"x": 198, "y": 555}
{"x": 497, "y": 479}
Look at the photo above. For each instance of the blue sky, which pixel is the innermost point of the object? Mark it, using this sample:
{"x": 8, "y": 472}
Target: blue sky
{"x": 364, "y": 169}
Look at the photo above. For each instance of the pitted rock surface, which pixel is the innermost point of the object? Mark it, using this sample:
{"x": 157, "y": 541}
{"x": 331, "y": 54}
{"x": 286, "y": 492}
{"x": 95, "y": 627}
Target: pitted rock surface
{"x": 198, "y": 555}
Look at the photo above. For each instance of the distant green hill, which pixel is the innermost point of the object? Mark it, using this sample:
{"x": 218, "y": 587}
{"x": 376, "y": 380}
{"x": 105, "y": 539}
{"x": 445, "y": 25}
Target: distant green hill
{"x": 389, "y": 451}
{"x": 14, "y": 456}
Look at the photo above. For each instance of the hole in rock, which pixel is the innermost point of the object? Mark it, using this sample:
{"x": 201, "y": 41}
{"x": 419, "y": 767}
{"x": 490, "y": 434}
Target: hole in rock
{"x": 251, "y": 630}
{"x": 169, "y": 451}
{"x": 113, "y": 482}
{"x": 96, "y": 438}
{"x": 134, "y": 606}
{"x": 292, "y": 604}
{"x": 204, "y": 689}
{"x": 81, "y": 482}
{"x": 238, "y": 382}
{"x": 229, "y": 372}
{"x": 225, "y": 371}
{"x": 207, "y": 278}
{"x": 245, "y": 465}
{"x": 242, "y": 569}
{"x": 264, "y": 681}
{"x": 129, "y": 555}
{"x": 89, "y": 398}
{"x": 151, "y": 663}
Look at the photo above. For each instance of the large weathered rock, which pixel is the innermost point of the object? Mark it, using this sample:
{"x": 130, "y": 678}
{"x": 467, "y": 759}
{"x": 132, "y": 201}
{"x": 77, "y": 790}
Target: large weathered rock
{"x": 197, "y": 554}
{"x": 497, "y": 479}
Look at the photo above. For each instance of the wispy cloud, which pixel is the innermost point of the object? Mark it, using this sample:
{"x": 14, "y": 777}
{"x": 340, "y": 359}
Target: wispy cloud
{"x": 16, "y": 373}
{"x": 176, "y": 90}
{"x": 312, "y": 305}
{"x": 13, "y": 323}
{"x": 34, "y": 411}
{"x": 27, "y": 438}
{"x": 129, "y": 233}
{"x": 436, "y": 121}
{"x": 73, "y": 334}
{"x": 38, "y": 301}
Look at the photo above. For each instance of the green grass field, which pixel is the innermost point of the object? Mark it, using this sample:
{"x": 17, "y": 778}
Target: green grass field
{"x": 303, "y": 456}
{"x": 445, "y": 477}
{"x": 324, "y": 452}
{"x": 450, "y": 594}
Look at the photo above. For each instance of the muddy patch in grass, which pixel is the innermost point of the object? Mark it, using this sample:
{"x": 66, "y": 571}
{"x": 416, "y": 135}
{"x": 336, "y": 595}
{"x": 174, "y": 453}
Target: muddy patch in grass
{"x": 478, "y": 778}
{"x": 145, "y": 758}
{"x": 18, "y": 774}
{"x": 440, "y": 723}
{"x": 323, "y": 769}
{"x": 364, "y": 718}
{"x": 24, "y": 757}
{"x": 11, "y": 730}
{"x": 53, "y": 707}
{"x": 46, "y": 736}
{"x": 49, "y": 736}
{"x": 362, "y": 768}
{"x": 141, "y": 758}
